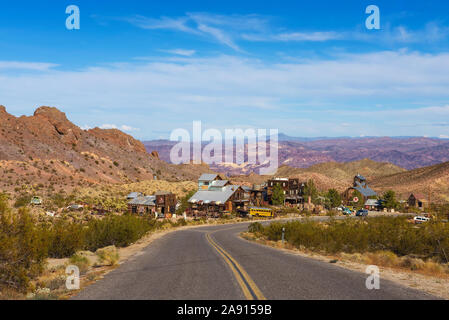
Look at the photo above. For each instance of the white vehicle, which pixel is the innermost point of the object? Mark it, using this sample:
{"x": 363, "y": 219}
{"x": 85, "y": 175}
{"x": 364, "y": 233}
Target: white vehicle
{"x": 419, "y": 220}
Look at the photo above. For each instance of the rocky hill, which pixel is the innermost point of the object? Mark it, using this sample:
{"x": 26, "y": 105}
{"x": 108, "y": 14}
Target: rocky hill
{"x": 431, "y": 180}
{"x": 46, "y": 150}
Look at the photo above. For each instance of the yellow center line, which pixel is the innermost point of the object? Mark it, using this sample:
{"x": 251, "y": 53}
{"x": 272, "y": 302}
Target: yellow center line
{"x": 248, "y": 286}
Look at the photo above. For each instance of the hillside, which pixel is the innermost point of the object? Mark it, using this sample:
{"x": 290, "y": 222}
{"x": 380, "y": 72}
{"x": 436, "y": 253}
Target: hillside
{"x": 331, "y": 174}
{"x": 47, "y": 151}
{"x": 432, "y": 179}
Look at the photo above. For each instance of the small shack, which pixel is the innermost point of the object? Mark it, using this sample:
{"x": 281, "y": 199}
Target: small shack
{"x": 161, "y": 202}
{"x": 417, "y": 200}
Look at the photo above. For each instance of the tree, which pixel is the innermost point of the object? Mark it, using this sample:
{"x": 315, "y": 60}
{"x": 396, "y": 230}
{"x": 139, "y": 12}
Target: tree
{"x": 390, "y": 199}
{"x": 333, "y": 198}
{"x": 185, "y": 202}
{"x": 278, "y": 196}
{"x": 311, "y": 191}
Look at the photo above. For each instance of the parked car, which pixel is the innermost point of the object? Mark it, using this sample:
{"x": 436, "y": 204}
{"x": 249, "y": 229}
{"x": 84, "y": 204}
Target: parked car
{"x": 419, "y": 220}
{"x": 347, "y": 211}
{"x": 75, "y": 207}
{"x": 36, "y": 201}
{"x": 362, "y": 213}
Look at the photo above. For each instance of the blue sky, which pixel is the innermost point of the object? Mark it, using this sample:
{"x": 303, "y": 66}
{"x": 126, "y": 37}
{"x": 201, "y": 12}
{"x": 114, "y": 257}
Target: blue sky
{"x": 307, "y": 68}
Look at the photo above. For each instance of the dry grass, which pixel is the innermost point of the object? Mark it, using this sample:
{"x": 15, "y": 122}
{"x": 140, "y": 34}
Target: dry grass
{"x": 108, "y": 256}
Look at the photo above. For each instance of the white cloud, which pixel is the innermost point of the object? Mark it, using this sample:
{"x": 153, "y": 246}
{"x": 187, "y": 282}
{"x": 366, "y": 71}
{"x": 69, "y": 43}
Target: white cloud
{"x": 167, "y": 92}
{"x": 122, "y": 127}
{"x": 32, "y": 66}
{"x": 221, "y": 36}
{"x": 296, "y": 36}
{"x": 228, "y": 29}
{"x": 221, "y": 28}
{"x": 181, "y": 52}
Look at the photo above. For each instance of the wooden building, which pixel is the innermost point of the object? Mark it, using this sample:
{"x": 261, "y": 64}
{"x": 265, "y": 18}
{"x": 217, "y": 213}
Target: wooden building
{"x": 417, "y": 200}
{"x": 161, "y": 202}
{"x": 216, "y": 196}
{"x": 292, "y": 187}
{"x": 359, "y": 186}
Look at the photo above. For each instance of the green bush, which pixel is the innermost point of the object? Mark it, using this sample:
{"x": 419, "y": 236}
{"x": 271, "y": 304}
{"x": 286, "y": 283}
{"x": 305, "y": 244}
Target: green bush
{"x": 65, "y": 239}
{"x": 119, "y": 231}
{"x": 255, "y": 227}
{"x": 22, "y": 201}
{"x": 395, "y": 234}
{"x": 80, "y": 261}
{"x": 23, "y": 249}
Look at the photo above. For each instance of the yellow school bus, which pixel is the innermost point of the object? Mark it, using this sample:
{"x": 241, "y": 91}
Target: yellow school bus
{"x": 261, "y": 212}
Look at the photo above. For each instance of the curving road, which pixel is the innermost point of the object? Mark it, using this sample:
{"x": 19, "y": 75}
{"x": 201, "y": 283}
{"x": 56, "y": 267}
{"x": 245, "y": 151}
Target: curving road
{"x": 213, "y": 263}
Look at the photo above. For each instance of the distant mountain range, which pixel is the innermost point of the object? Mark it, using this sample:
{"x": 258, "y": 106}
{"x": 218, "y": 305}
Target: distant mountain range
{"x": 46, "y": 151}
{"x": 405, "y": 152}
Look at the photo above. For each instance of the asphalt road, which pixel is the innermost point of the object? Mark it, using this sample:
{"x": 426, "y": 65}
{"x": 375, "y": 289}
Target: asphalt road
{"x": 213, "y": 263}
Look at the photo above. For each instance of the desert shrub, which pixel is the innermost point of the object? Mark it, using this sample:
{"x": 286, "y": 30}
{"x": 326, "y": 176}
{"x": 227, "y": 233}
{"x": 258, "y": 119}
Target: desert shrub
{"x": 22, "y": 201}
{"x": 120, "y": 231}
{"x": 382, "y": 258}
{"x": 286, "y": 210}
{"x": 180, "y": 223}
{"x": 23, "y": 249}
{"x": 65, "y": 239}
{"x": 80, "y": 261}
{"x": 255, "y": 227}
{"x": 380, "y": 234}
{"x": 108, "y": 256}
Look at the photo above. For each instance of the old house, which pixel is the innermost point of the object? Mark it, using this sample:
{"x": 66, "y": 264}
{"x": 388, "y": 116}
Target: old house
{"x": 165, "y": 202}
{"x": 133, "y": 195}
{"x": 215, "y": 196}
{"x": 206, "y": 179}
{"x": 360, "y": 185}
{"x": 161, "y": 202}
{"x": 292, "y": 187}
{"x": 258, "y": 196}
{"x": 417, "y": 200}
{"x": 142, "y": 205}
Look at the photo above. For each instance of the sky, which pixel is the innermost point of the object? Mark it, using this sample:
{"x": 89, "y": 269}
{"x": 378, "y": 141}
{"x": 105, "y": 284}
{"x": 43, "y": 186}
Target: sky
{"x": 306, "y": 68}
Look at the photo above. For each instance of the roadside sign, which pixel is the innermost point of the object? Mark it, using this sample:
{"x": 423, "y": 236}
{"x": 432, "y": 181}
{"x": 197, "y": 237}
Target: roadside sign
{"x": 355, "y": 199}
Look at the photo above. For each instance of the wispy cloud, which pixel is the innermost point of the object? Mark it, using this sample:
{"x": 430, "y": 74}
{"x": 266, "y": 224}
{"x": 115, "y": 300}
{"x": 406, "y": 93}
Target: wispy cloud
{"x": 122, "y": 127}
{"x": 343, "y": 89}
{"x": 223, "y": 29}
{"x": 32, "y": 66}
{"x": 296, "y": 36}
{"x": 180, "y": 52}
{"x": 230, "y": 29}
